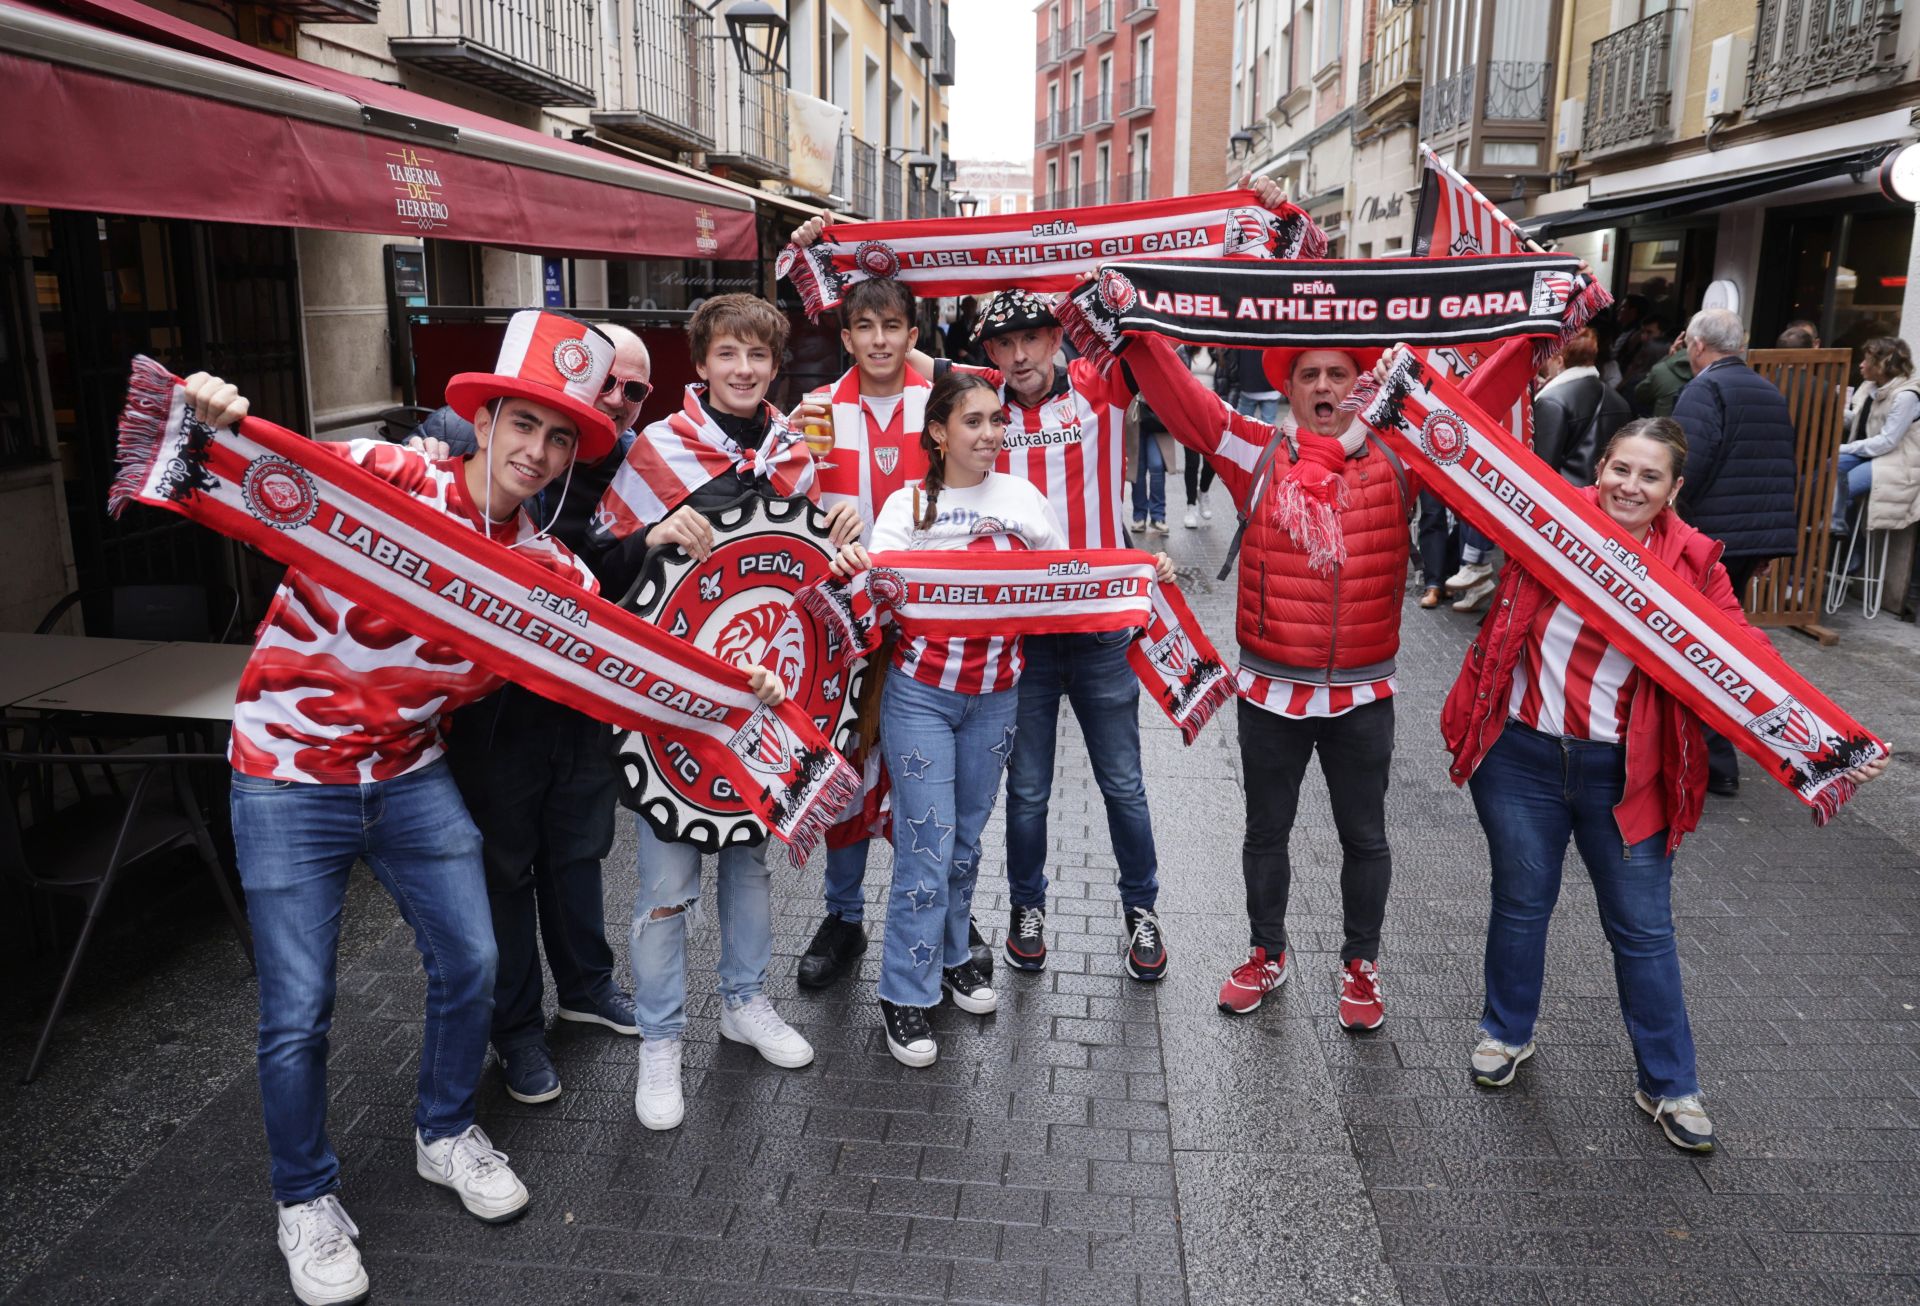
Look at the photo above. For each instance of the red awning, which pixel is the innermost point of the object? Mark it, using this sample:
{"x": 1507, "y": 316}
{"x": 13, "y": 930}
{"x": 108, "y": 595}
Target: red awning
{"x": 189, "y": 124}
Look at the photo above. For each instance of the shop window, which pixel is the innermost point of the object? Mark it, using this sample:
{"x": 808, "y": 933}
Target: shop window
{"x": 453, "y": 273}
{"x": 1511, "y": 154}
{"x": 1845, "y": 271}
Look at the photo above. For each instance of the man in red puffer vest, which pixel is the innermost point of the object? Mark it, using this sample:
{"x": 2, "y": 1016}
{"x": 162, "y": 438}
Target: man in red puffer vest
{"x": 1324, "y": 506}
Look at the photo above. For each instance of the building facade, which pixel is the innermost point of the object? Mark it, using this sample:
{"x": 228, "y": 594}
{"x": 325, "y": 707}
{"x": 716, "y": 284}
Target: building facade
{"x": 996, "y": 185}
{"x": 1129, "y": 100}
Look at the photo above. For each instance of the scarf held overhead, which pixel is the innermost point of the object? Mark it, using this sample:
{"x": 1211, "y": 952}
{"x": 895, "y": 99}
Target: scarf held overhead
{"x": 979, "y": 592}
{"x": 441, "y": 579}
{"x": 1666, "y": 626}
{"x": 968, "y": 256}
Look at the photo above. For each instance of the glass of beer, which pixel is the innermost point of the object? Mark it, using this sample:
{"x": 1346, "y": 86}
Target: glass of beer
{"x": 817, "y": 427}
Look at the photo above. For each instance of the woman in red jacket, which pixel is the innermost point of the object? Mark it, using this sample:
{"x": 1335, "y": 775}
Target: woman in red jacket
{"x": 1559, "y": 737}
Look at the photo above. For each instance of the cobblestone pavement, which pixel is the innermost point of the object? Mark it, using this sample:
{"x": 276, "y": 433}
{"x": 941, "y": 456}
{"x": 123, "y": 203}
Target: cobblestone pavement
{"x": 1096, "y": 1140}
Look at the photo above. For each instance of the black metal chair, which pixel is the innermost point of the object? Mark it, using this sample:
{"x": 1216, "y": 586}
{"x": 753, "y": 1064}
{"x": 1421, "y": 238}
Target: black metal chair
{"x": 83, "y": 849}
{"x": 189, "y": 613}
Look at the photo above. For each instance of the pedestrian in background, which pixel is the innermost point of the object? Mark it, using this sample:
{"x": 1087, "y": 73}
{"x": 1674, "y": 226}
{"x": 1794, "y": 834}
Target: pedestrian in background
{"x": 1660, "y": 389}
{"x": 1575, "y": 413}
{"x": 1880, "y": 460}
{"x": 1739, "y": 481}
{"x": 1208, "y": 369}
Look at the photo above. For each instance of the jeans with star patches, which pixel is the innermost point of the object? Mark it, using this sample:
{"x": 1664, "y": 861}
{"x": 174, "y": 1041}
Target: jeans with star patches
{"x": 945, "y": 752}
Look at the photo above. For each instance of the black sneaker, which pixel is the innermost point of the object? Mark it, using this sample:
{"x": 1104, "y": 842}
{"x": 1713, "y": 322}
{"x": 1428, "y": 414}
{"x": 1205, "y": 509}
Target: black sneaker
{"x": 968, "y": 991}
{"x": 836, "y": 945}
{"x": 1027, "y": 939}
{"x": 1146, "y": 946}
{"x": 979, "y": 950}
{"x": 909, "y": 1037}
{"x": 530, "y": 1074}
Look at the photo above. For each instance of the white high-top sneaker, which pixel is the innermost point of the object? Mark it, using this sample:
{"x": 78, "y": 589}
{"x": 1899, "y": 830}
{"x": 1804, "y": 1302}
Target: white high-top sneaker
{"x": 476, "y": 1170}
{"x": 755, "y": 1023}
{"x": 657, "y": 1099}
{"x": 324, "y": 1266}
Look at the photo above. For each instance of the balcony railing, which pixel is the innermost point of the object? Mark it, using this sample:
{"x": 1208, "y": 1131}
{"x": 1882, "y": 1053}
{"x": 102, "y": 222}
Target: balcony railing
{"x": 1133, "y": 186}
{"x": 891, "y": 203}
{"x": 1396, "y": 52}
{"x": 921, "y": 202}
{"x": 1097, "y": 23}
{"x": 753, "y": 130}
{"x": 532, "y": 51}
{"x": 1517, "y": 90}
{"x": 1042, "y": 130}
{"x": 1066, "y": 122}
{"x": 1064, "y": 43}
{"x": 667, "y": 98}
{"x": 1132, "y": 9}
{"x": 865, "y": 161}
{"x": 1448, "y": 104}
{"x": 1805, "y": 51}
{"x": 326, "y": 11}
{"x": 1630, "y": 87}
{"x": 1135, "y": 96}
{"x": 1096, "y": 111}
{"x": 1044, "y": 57}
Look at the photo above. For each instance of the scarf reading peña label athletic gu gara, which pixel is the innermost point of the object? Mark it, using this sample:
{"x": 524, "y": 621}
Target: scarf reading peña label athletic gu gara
{"x": 445, "y": 581}
{"x": 977, "y": 593}
{"x": 1029, "y": 251}
{"x": 1665, "y": 625}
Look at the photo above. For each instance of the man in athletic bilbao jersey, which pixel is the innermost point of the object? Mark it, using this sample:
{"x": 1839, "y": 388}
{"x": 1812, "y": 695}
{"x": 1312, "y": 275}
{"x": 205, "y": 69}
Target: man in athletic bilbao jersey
{"x": 337, "y": 758}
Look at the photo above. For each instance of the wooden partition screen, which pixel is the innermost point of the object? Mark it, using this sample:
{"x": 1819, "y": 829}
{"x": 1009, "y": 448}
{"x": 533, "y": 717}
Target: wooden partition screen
{"x": 1815, "y": 383}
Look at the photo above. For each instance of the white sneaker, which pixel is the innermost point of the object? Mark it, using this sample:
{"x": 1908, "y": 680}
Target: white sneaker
{"x": 755, "y": 1023}
{"x": 1192, "y": 520}
{"x": 1469, "y": 575}
{"x": 317, "y": 1239}
{"x": 1476, "y": 595}
{"x": 1206, "y": 507}
{"x": 657, "y": 1099}
{"x": 477, "y": 1172}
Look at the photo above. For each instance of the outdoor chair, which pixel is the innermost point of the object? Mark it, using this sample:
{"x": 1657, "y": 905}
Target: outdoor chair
{"x": 1871, "y": 547}
{"x": 83, "y": 849}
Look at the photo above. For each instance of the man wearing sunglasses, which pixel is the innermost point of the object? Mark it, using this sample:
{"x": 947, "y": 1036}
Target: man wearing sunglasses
{"x": 539, "y": 781}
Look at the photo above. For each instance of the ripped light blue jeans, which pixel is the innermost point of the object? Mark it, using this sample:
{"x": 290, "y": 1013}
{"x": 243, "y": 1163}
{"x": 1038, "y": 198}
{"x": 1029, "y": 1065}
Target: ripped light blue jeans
{"x": 670, "y": 883}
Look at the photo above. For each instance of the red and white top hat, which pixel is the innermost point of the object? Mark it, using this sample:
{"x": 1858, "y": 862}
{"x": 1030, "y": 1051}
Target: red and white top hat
{"x": 550, "y": 359}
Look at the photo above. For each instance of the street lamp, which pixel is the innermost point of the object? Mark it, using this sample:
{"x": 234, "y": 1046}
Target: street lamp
{"x": 1240, "y": 144}
{"x": 967, "y": 204}
{"x": 758, "y": 34}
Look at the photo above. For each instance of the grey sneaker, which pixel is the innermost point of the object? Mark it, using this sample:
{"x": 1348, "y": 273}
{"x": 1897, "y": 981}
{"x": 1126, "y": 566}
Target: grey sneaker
{"x": 476, "y": 1170}
{"x": 1683, "y": 1120}
{"x": 324, "y": 1266}
{"x": 1494, "y": 1062}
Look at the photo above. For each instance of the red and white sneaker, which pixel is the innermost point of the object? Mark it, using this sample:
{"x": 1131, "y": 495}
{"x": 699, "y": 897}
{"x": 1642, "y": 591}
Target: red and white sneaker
{"x": 1252, "y": 980}
{"x": 1360, "y": 1005}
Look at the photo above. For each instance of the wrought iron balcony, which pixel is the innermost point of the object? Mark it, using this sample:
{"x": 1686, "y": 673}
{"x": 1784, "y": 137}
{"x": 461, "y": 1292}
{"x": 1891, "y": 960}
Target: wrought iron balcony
{"x": 1136, "y": 96}
{"x": 666, "y": 97}
{"x": 865, "y": 161}
{"x": 753, "y": 126}
{"x": 1064, "y": 43}
{"x": 1517, "y": 90}
{"x": 891, "y": 202}
{"x": 1042, "y": 130}
{"x": 1448, "y": 105}
{"x": 533, "y": 51}
{"x": 326, "y": 11}
{"x": 1096, "y": 111}
{"x": 1133, "y": 186}
{"x": 1805, "y": 51}
{"x": 1630, "y": 88}
{"x": 1395, "y": 67}
{"x": 1133, "y": 9}
{"x": 1044, "y": 57}
{"x": 1096, "y": 24}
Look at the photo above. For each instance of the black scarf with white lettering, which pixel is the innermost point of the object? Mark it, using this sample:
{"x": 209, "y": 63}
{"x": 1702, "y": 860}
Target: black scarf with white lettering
{"x": 1264, "y": 304}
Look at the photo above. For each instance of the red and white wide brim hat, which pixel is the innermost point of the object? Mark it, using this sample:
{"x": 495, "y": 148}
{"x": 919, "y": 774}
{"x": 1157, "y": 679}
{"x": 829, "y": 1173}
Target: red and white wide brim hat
{"x": 550, "y": 359}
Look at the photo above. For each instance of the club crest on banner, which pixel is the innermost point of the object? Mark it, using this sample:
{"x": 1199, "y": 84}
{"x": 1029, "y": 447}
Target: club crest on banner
{"x": 1173, "y": 654}
{"x": 1246, "y": 232}
{"x": 1443, "y": 438}
{"x": 1117, "y": 292}
{"x": 572, "y": 359}
{"x": 1551, "y": 291}
{"x": 279, "y": 493}
{"x": 1788, "y": 726}
{"x": 738, "y": 606}
{"x": 877, "y": 258}
{"x": 1464, "y": 243}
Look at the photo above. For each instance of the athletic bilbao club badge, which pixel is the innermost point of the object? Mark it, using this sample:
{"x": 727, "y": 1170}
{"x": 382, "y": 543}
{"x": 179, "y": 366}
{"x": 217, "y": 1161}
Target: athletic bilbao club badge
{"x": 1443, "y": 438}
{"x": 876, "y": 258}
{"x": 1117, "y": 292}
{"x": 1788, "y": 726}
{"x": 886, "y": 458}
{"x": 1173, "y": 654}
{"x": 1551, "y": 291}
{"x": 1246, "y": 232}
{"x": 784, "y": 263}
{"x": 279, "y": 493}
{"x": 738, "y": 606}
{"x": 572, "y": 359}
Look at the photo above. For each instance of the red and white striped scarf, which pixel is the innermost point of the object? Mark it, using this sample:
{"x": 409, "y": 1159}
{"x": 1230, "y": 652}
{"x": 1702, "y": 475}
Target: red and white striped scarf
{"x": 1454, "y": 219}
{"x": 1033, "y": 251}
{"x": 870, "y": 461}
{"x": 444, "y": 581}
{"x": 676, "y": 456}
{"x": 1592, "y": 565}
{"x": 975, "y": 593}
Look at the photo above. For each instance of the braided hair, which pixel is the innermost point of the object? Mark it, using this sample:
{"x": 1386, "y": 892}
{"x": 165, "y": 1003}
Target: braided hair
{"x": 946, "y": 396}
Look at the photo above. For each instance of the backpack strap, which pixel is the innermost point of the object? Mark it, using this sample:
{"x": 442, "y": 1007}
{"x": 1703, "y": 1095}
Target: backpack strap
{"x": 1256, "y": 491}
{"x": 1399, "y": 471}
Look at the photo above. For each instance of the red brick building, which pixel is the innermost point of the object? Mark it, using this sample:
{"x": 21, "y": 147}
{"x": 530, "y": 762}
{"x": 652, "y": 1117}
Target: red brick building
{"x": 1130, "y": 99}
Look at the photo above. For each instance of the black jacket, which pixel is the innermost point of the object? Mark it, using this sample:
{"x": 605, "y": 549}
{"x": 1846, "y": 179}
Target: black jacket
{"x": 1740, "y": 466}
{"x": 1572, "y": 424}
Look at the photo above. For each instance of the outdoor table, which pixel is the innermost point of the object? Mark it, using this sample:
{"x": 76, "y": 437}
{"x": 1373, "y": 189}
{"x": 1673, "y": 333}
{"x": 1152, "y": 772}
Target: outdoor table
{"x": 178, "y": 681}
{"x": 31, "y": 665}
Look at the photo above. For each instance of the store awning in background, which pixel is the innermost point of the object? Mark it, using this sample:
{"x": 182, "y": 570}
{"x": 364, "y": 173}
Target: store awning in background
{"x": 1707, "y": 195}
{"x": 113, "y": 107}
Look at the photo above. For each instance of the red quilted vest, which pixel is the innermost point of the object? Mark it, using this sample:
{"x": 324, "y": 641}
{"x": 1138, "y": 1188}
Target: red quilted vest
{"x": 1339, "y": 629}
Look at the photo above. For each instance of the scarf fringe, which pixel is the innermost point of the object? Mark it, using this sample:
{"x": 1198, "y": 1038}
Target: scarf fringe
{"x": 1589, "y": 302}
{"x": 837, "y": 792}
{"x": 1218, "y": 695}
{"x": 1827, "y": 803}
{"x": 1080, "y": 331}
{"x": 1310, "y": 515}
{"x": 143, "y": 425}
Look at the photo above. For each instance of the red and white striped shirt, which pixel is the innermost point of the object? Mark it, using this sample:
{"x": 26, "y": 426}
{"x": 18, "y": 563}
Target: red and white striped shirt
{"x": 1293, "y": 698}
{"x": 1571, "y": 681}
{"x": 1002, "y": 512}
{"x": 336, "y": 694}
{"x": 1072, "y": 448}
{"x": 876, "y": 444}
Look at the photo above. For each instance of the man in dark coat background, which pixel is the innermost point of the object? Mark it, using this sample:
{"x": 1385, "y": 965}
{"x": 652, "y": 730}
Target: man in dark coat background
{"x": 1739, "y": 477}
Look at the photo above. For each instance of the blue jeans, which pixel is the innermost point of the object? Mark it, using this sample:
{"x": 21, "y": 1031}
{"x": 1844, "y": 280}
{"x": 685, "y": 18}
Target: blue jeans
{"x": 1093, "y": 674}
{"x": 539, "y": 781}
{"x": 670, "y": 880}
{"x": 1854, "y": 480}
{"x": 945, "y": 752}
{"x": 1533, "y": 792}
{"x": 846, "y": 872}
{"x": 296, "y": 843}
{"x": 1150, "y": 482}
{"x": 1260, "y": 410}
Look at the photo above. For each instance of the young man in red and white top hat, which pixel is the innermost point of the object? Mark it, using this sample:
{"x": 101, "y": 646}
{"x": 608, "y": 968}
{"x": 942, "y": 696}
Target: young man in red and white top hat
{"x": 337, "y": 758}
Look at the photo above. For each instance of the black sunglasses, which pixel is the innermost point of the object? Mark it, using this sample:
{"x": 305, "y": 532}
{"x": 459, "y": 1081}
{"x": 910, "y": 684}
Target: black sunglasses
{"x": 635, "y": 392}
